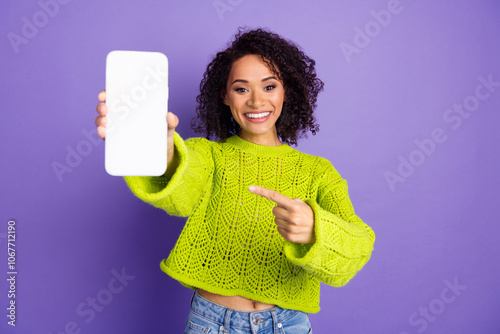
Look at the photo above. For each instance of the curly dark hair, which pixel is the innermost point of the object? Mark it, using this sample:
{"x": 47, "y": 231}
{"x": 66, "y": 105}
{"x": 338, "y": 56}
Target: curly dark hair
{"x": 292, "y": 67}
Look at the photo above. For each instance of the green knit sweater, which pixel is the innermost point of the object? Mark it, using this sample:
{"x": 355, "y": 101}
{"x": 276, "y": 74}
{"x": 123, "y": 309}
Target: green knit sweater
{"x": 230, "y": 244}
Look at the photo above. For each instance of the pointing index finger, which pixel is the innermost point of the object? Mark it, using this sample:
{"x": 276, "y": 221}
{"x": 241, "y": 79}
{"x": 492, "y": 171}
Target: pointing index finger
{"x": 271, "y": 195}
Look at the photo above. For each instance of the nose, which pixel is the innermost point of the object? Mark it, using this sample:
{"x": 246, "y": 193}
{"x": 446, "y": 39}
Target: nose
{"x": 256, "y": 100}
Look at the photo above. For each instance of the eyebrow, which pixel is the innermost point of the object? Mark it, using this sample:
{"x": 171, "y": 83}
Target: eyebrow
{"x": 245, "y": 81}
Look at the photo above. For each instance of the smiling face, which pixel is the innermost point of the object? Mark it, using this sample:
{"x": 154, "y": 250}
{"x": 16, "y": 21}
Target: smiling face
{"x": 255, "y": 96}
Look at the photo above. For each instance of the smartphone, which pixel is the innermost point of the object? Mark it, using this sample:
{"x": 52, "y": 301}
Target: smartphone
{"x": 137, "y": 101}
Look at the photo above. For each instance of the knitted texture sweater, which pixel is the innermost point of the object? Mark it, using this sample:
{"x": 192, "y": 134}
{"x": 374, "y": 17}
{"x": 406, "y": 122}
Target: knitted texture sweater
{"x": 230, "y": 244}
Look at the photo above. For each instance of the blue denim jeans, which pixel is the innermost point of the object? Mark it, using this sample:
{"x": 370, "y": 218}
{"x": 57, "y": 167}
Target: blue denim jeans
{"x": 208, "y": 317}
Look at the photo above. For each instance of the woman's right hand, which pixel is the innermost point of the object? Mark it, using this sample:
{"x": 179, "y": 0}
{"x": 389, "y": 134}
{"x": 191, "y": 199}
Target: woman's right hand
{"x": 102, "y": 109}
{"x": 101, "y": 121}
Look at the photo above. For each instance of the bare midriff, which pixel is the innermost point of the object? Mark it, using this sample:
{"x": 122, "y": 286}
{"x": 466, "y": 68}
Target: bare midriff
{"x": 237, "y": 303}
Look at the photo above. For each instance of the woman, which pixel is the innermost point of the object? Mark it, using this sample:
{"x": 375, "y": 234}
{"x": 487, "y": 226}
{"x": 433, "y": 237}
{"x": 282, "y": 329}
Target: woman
{"x": 267, "y": 223}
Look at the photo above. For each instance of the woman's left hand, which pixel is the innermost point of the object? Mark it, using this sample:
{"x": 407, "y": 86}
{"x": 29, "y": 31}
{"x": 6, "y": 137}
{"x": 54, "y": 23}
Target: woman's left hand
{"x": 294, "y": 217}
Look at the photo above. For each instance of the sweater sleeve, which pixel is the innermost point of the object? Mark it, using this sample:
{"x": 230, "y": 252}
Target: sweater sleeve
{"x": 343, "y": 242}
{"x": 179, "y": 195}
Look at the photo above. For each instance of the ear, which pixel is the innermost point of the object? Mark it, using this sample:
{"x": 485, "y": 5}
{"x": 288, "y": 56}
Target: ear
{"x": 223, "y": 95}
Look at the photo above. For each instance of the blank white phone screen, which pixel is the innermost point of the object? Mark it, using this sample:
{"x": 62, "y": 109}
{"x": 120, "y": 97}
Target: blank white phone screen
{"x": 137, "y": 101}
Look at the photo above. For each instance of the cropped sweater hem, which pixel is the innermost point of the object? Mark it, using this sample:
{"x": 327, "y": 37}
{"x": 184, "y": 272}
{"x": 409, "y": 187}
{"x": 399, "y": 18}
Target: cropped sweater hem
{"x": 193, "y": 284}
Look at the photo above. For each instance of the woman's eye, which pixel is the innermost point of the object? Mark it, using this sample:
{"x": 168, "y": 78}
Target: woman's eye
{"x": 270, "y": 87}
{"x": 241, "y": 89}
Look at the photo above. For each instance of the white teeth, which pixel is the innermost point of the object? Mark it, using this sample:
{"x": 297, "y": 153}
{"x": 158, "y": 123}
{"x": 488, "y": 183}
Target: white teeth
{"x": 260, "y": 115}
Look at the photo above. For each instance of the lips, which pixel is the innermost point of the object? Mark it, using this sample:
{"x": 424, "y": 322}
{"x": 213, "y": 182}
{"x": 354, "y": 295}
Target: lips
{"x": 257, "y": 117}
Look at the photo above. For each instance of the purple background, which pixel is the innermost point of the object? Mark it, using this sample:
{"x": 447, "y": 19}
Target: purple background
{"x": 436, "y": 226}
